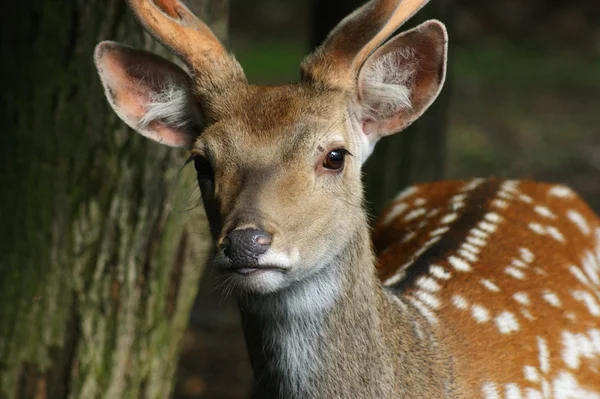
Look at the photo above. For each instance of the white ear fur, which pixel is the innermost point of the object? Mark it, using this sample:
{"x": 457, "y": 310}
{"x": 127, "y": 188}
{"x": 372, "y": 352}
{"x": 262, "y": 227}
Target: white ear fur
{"x": 387, "y": 84}
{"x": 171, "y": 105}
{"x": 398, "y": 82}
{"x": 150, "y": 94}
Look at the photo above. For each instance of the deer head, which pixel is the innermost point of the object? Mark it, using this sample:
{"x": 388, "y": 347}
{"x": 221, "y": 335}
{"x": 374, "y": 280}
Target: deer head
{"x": 279, "y": 168}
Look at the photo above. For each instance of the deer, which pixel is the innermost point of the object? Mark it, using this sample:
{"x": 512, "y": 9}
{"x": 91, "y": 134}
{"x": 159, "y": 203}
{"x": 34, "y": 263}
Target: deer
{"x": 478, "y": 288}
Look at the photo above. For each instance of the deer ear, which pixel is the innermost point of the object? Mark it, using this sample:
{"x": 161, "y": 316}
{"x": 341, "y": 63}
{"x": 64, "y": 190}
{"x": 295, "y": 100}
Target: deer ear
{"x": 400, "y": 80}
{"x": 150, "y": 94}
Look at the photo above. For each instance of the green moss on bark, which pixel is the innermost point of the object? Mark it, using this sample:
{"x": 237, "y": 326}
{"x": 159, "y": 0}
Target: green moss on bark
{"x": 97, "y": 270}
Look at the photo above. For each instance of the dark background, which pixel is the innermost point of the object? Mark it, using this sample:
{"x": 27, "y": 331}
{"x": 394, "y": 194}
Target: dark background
{"x": 523, "y": 101}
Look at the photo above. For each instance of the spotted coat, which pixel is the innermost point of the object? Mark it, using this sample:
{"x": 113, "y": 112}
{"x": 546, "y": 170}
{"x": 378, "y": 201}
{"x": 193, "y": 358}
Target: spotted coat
{"x": 507, "y": 273}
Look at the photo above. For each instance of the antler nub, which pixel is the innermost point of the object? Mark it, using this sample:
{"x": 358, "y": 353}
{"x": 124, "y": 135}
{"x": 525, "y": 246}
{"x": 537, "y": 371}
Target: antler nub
{"x": 337, "y": 61}
{"x": 174, "y": 25}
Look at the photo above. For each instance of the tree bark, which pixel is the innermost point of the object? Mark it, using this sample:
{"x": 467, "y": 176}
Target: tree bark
{"x": 416, "y": 154}
{"x": 102, "y": 244}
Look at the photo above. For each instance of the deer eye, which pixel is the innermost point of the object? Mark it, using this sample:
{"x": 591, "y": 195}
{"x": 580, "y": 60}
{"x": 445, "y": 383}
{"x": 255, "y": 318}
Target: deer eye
{"x": 335, "y": 159}
{"x": 203, "y": 168}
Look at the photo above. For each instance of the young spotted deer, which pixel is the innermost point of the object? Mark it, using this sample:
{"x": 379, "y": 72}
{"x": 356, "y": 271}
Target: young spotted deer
{"x": 483, "y": 288}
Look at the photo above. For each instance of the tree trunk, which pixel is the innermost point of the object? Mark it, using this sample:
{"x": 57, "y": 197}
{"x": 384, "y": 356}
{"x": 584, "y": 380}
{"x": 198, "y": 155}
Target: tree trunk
{"x": 416, "y": 154}
{"x": 102, "y": 242}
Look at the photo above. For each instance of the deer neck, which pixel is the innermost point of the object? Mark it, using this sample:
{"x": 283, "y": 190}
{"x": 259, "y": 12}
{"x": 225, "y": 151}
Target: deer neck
{"x": 337, "y": 334}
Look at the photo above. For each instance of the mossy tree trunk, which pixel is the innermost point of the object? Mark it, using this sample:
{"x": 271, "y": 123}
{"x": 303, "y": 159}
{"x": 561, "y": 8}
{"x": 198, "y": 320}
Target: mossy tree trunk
{"x": 416, "y": 154}
{"x": 101, "y": 254}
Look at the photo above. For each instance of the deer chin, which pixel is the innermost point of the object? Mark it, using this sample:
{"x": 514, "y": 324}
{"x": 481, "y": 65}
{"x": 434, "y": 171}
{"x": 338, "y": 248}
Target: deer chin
{"x": 274, "y": 270}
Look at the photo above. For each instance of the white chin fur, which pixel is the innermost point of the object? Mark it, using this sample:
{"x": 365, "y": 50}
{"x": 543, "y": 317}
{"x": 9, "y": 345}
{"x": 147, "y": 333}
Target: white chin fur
{"x": 279, "y": 259}
{"x": 262, "y": 281}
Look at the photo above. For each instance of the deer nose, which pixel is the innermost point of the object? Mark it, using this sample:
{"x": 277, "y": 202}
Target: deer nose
{"x": 244, "y": 246}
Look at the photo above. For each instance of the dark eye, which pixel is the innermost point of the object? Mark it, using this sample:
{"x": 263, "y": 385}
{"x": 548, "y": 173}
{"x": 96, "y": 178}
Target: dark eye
{"x": 335, "y": 159}
{"x": 203, "y": 168}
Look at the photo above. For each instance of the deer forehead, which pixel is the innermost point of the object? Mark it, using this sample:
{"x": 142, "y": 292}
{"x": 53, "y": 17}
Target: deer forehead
{"x": 268, "y": 122}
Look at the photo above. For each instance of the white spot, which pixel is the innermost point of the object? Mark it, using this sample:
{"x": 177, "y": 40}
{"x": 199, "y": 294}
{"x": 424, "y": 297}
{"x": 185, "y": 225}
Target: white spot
{"x": 537, "y": 228}
{"x": 488, "y": 227}
{"x": 409, "y": 236}
{"x": 470, "y": 247}
{"x": 428, "y": 299}
{"x": 589, "y": 301}
{"x": 510, "y": 186}
{"x": 428, "y": 284}
{"x": 439, "y": 231}
{"x": 480, "y": 313}
{"x": 492, "y": 217}
{"x": 472, "y": 185}
{"x": 522, "y": 298}
{"x": 460, "y": 302}
{"x": 500, "y": 203}
{"x": 533, "y": 394}
{"x": 432, "y": 213}
{"x": 513, "y": 272}
{"x": 467, "y": 255}
{"x": 519, "y": 263}
{"x": 397, "y": 210}
{"x": 591, "y": 266}
{"x": 490, "y": 391}
{"x": 414, "y": 214}
{"x": 566, "y": 386}
{"x": 439, "y": 272}
{"x": 420, "y": 202}
{"x": 595, "y": 335}
{"x": 526, "y": 314}
{"x": 475, "y": 232}
{"x": 513, "y": 391}
{"x": 531, "y": 374}
{"x": 407, "y": 192}
{"x": 505, "y": 195}
{"x": 579, "y": 275}
{"x": 476, "y": 241}
{"x": 395, "y": 278}
{"x": 449, "y": 218}
{"x": 552, "y": 298}
{"x": 526, "y": 198}
{"x": 490, "y": 285}
{"x": 458, "y": 198}
{"x": 555, "y": 233}
{"x": 459, "y": 264}
{"x": 424, "y": 310}
{"x": 527, "y": 255}
{"x": 560, "y": 191}
{"x": 507, "y": 322}
{"x": 544, "y": 211}
{"x": 544, "y": 355}
{"x": 570, "y": 352}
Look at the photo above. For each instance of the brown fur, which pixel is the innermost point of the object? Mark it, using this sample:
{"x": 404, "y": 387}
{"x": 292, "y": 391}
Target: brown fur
{"x": 482, "y": 353}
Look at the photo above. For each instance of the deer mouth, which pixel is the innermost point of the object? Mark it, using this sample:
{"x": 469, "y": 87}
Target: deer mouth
{"x": 252, "y": 270}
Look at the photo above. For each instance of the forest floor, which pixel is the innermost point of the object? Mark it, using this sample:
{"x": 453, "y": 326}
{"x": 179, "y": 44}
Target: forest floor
{"x": 515, "y": 112}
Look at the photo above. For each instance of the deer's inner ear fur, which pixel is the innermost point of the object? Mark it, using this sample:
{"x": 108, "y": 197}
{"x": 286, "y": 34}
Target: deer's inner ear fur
{"x": 150, "y": 94}
{"x": 400, "y": 80}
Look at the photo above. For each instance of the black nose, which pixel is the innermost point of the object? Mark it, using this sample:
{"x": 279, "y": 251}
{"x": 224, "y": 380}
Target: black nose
{"x": 244, "y": 246}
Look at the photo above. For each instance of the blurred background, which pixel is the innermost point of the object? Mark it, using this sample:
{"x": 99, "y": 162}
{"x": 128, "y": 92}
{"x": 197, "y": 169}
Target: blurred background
{"x": 101, "y": 266}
